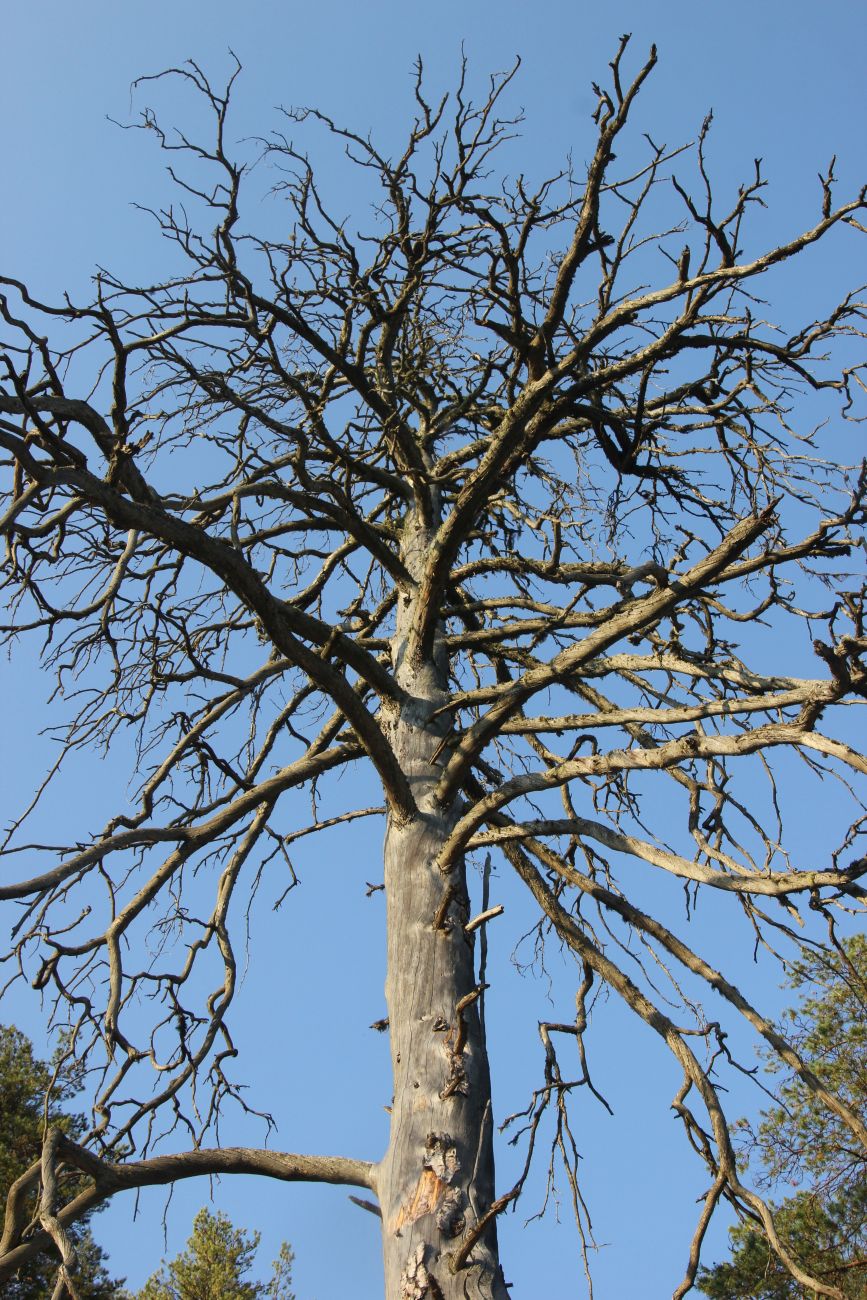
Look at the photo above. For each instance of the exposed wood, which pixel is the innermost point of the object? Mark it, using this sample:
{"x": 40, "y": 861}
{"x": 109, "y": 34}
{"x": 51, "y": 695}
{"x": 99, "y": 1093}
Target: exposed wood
{"x": 551, "y": 555}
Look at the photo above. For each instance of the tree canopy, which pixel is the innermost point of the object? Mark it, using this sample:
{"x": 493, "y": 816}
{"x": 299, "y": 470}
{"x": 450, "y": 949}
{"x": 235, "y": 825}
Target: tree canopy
{"x": 218, "y": 1257}
{"x": 215, "y": 1266}
{"x": 33, "y": 1094}
{"x": 825, "y": 1225}
{"x": 507, "y": 499}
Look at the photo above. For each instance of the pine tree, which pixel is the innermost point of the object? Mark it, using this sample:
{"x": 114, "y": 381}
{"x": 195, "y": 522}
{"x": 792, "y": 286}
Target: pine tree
{"x": 488, "y": 493}
{"x": 215, "y": 1265}
{"x": 825, "y": 1226}
{"x": 25, "y": 1082}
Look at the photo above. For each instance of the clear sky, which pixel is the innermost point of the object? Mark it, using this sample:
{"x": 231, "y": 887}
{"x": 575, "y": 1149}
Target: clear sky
{"x": 786, "y": 82}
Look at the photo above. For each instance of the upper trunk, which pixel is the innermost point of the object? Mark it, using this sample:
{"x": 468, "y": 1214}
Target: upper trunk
{"x": 437, "y": 1177}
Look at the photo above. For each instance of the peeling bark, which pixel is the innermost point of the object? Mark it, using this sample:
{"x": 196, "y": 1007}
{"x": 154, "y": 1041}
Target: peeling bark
{"x": 471, "y": 392}
{"x": 437, "y": 1178}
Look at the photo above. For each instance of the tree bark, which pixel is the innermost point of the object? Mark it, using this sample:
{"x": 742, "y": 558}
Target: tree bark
{"x": 437, "y": 1178}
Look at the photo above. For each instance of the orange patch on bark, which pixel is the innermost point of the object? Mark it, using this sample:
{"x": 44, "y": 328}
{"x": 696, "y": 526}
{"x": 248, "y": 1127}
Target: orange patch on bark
{"x": 428, "y": 1193}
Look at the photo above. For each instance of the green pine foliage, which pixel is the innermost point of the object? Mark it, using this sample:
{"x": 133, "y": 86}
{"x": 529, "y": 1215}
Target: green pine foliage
{"x": 25, "y": 1082}
{"x": 218, "y": 1257}
{"x": 216, "y": 1265}
{"x": 825, "y": 1226}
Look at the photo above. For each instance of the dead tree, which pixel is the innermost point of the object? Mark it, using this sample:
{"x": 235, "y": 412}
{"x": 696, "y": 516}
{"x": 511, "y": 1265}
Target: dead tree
{"x": 500, "y": 493}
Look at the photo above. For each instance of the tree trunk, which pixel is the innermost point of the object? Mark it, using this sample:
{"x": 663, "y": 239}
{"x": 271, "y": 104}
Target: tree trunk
{"x": 437, "y": 1177}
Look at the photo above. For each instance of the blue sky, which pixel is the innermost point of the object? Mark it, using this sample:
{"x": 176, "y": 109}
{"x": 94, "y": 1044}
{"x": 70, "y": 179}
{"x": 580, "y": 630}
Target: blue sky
{"x": 786, "y": 82}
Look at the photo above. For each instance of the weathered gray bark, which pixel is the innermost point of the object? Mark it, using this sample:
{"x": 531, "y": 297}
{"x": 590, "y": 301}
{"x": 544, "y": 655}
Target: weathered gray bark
{"x": 437, "y": 1178}
{"x": 446, "y": 351}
